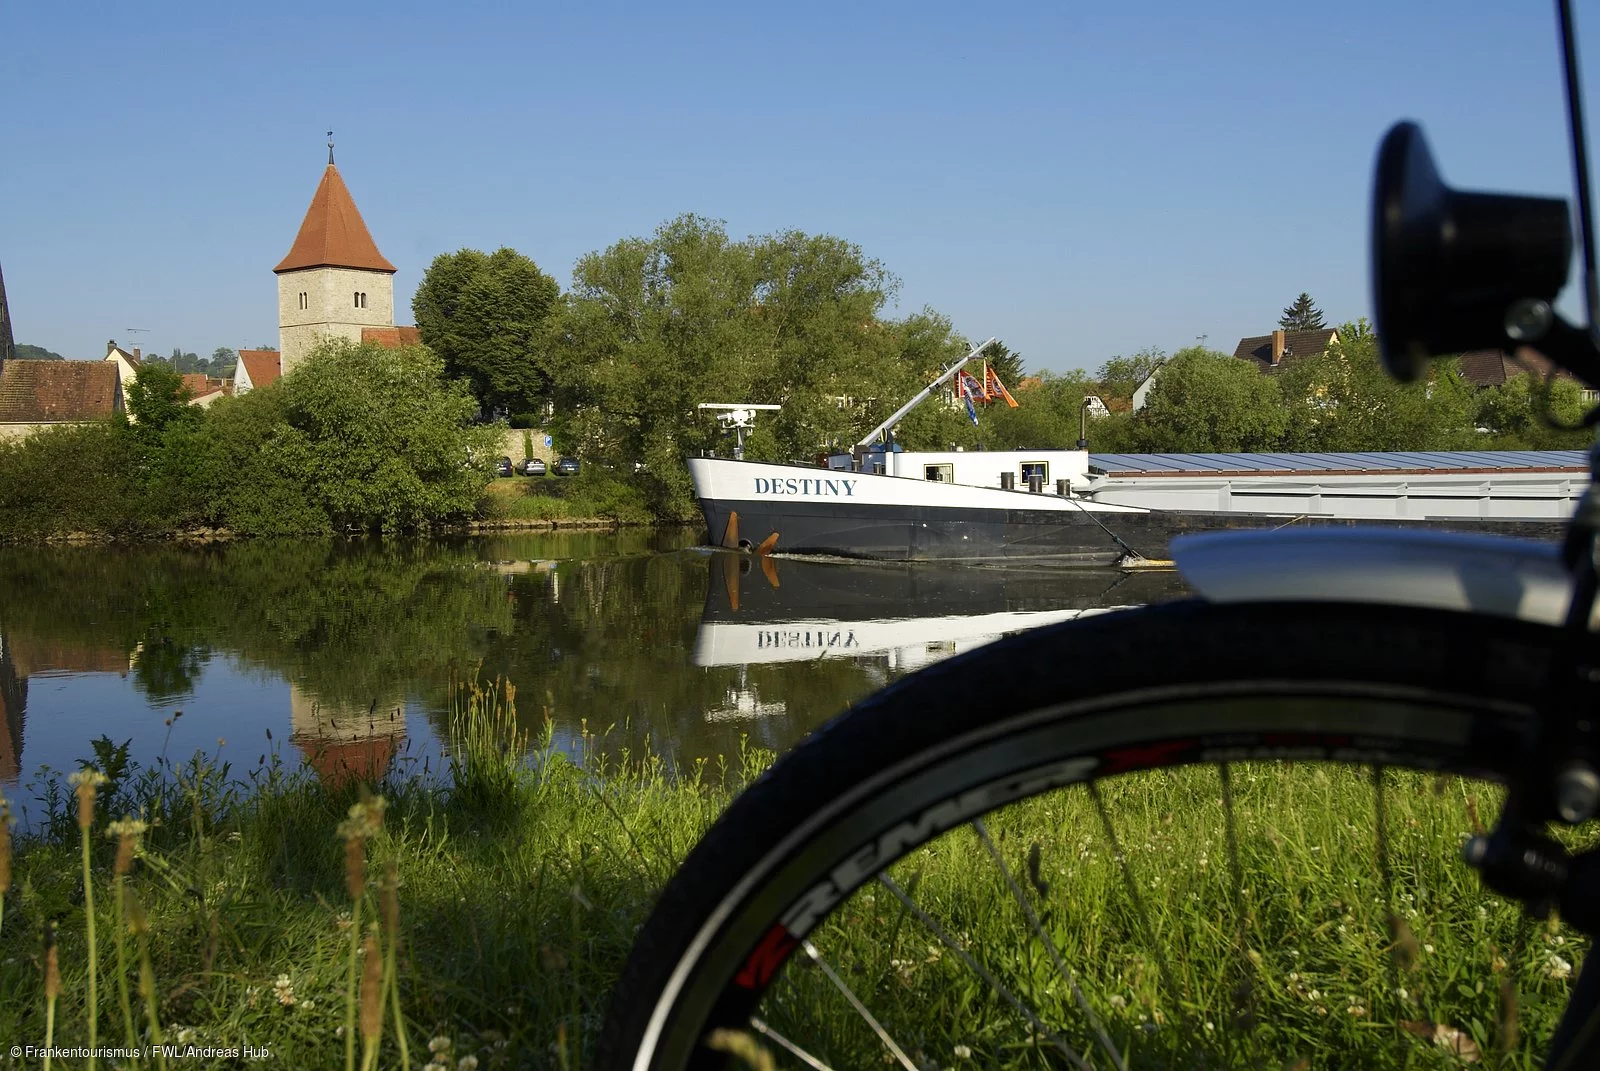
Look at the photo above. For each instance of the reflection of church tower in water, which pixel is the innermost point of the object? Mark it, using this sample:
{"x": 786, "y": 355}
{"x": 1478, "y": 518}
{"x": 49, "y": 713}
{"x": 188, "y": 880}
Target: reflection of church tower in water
{"x": 13, "y": 703}
{"x": 346, "y": 741}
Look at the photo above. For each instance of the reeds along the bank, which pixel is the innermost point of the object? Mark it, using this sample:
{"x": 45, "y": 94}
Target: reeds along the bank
{"x": 85, "y": 783}
{"x": 363, "y": 822}
{"x": 5, "y": 856}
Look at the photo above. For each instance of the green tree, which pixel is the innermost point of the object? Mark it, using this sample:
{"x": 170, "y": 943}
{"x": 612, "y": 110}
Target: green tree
{"x": 1208, "y": 402}
{"x": 1301, "y": 315}
{"x": 1342, "y": 400}
{"x": 1120, "y": 376}
{"x": 485, "y": 315}
{"x": 158, "y": 398}
{"x": 656, "y": 325}
{"x": 223, "y": 360}
{"x": 358, "y": 438}
{"x": 1517, "y": 415}
{"x": 26, "y": 352}
{"x": 1007, "y": 364}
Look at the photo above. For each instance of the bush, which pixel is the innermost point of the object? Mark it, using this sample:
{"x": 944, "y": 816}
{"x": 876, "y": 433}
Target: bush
{"x": 75, "y": 478}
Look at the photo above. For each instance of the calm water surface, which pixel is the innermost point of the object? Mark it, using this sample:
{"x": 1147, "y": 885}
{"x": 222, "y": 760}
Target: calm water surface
{"x": 342, "y": 654}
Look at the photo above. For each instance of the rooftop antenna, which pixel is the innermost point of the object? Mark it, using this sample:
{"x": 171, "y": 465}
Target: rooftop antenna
{"x": 330, "y": 148}
{"x": 1580, "y": 159}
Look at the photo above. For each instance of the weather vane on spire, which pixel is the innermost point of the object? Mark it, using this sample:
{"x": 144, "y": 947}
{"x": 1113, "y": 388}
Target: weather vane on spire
{"x": 330, "y": 148}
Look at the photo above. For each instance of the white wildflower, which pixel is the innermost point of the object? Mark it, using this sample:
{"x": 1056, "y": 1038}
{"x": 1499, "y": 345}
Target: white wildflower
{"x": 468, "y": 1062}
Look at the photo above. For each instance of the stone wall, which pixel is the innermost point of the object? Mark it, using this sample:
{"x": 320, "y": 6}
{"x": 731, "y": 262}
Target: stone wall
{"x": 331, "y": 308}
{"x": 515, "y": 446}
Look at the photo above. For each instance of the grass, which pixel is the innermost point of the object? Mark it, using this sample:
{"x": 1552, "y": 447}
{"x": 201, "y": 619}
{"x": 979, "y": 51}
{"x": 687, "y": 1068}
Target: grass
{"x": 589, "y": 496}
{"x": 481, "y": 920}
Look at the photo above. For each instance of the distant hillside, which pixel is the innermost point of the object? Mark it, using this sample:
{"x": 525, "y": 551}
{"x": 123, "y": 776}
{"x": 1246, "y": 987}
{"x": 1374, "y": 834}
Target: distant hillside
{"x": 36, "y": 353}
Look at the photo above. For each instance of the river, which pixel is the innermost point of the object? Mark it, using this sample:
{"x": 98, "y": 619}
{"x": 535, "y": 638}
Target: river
{"x": 342, "y": 654}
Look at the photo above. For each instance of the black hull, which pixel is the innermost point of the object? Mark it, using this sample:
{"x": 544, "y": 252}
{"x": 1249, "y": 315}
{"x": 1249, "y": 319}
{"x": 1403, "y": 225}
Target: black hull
{"x": 737, "y": 590}
{"x": 1044, "y": 537}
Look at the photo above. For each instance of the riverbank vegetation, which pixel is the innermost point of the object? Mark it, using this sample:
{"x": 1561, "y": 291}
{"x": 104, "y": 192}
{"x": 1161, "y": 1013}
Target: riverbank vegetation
{"x": 495, "y": 906}
{"x": 368, "y": 439}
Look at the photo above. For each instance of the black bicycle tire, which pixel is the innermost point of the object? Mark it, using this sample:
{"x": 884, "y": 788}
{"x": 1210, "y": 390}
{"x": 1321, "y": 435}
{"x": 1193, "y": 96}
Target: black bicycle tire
{"x": 1479, "y": 673}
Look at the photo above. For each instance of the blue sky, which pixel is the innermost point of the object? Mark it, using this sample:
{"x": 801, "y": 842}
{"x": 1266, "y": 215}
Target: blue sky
{"x": 1080, "y": 180}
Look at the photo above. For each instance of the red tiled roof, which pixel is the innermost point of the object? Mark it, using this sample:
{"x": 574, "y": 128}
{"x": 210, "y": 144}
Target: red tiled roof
{"x": 1492, "y": 368}
{"x": 262, "y": 366}
{"x": 333, "y": 234}
{"x": 392, "y": 337}
{"x": 196, "y": 383}
{"x": 53, "y": 392}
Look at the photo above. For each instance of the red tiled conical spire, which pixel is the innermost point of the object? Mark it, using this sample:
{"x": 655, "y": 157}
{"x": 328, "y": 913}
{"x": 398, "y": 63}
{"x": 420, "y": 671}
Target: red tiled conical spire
{"x": 333, "y": 235}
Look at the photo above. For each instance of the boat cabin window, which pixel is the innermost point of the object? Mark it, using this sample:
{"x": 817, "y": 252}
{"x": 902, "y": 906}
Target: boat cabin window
{"x": 1040, "y": 469}
{"x": 940, "y": 473}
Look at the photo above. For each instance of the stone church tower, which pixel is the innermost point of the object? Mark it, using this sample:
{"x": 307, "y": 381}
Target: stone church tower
{"x": 334, "y": 282}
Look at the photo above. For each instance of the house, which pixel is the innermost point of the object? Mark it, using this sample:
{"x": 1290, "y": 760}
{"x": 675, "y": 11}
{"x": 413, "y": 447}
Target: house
{"x": 1142, "y": 393}
{"x": 256, "y": 368}
{"x": 127, "y": 368}
{"x": 204, "y": 389}
{"x": 42, "y": 394}
{"x": 1269, "y": 352}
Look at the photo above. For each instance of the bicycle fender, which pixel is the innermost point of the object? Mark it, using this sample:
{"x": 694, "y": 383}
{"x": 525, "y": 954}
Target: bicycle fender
{"x": 1473, "y": 573}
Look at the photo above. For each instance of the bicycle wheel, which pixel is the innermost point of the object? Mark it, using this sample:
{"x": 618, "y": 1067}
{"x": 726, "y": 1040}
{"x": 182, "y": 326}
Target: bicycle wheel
{"x": 1251, "y": 754}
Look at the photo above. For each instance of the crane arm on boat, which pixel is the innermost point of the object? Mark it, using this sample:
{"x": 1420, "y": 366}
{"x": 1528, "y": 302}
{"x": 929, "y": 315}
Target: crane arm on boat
{"x": 944, "y": 377}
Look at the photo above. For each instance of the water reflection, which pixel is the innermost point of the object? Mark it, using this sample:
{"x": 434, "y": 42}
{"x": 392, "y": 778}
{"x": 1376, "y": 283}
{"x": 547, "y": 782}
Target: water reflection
{"x": 346, "y": 652}
{"x": 880, "y": 620}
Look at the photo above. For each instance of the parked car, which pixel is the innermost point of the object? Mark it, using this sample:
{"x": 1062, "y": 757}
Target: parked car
{"x": 567, "y": 466}
{"x": 534, "y": 466}
{"x": 503, "y": 467}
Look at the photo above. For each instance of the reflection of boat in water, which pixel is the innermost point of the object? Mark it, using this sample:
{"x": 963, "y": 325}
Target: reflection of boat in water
{"x": 761, "y": 610}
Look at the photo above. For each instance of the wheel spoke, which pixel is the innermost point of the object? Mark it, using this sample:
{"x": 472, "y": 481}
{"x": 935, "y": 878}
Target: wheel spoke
{"x": 760, "y": 1027}
{"x": 1050, "y": 945}
{"x": 861, "y": 1009}
{"x": 983, "y": 972}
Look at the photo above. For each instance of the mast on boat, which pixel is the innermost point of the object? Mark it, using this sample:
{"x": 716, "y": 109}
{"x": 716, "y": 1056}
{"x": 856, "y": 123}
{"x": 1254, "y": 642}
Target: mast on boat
{"x": 738, "y": 416}
{"x": 944, "y": 377}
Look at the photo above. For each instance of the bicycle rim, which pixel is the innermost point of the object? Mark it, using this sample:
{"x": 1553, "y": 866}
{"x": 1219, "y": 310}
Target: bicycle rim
{"x": 866, "y": 856}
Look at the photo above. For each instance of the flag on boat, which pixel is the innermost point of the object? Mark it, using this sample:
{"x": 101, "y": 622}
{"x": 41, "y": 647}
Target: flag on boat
{"x": 971, "y": 409}
{"x": 994, "y": 388}
{"x": 967, "y": 386}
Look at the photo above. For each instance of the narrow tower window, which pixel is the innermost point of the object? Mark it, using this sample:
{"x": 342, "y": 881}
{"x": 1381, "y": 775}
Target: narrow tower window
{"x": 303, "y": 302}
{"x": 361, "y": 299}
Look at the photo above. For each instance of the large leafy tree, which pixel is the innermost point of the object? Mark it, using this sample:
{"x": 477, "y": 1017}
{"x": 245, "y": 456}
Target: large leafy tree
{"x": 1205, "y": 401}
{"x": 1301, "y": 315}
{"x": 654, "y": 326}
{"x": 1342, "y": 400}
{"x": 1523, "y": 413}
{"x": 359, "y": 437}
{"x": 1120, "y": 376}
{"x": 485, "y": 315}
{"x": 157, "y": 398}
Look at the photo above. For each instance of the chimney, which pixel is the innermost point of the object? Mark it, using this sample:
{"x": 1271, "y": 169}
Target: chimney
{"x": 1277, "y": 347}
{"x": 136, "y": 352}
{"x": 111, "y": 347}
